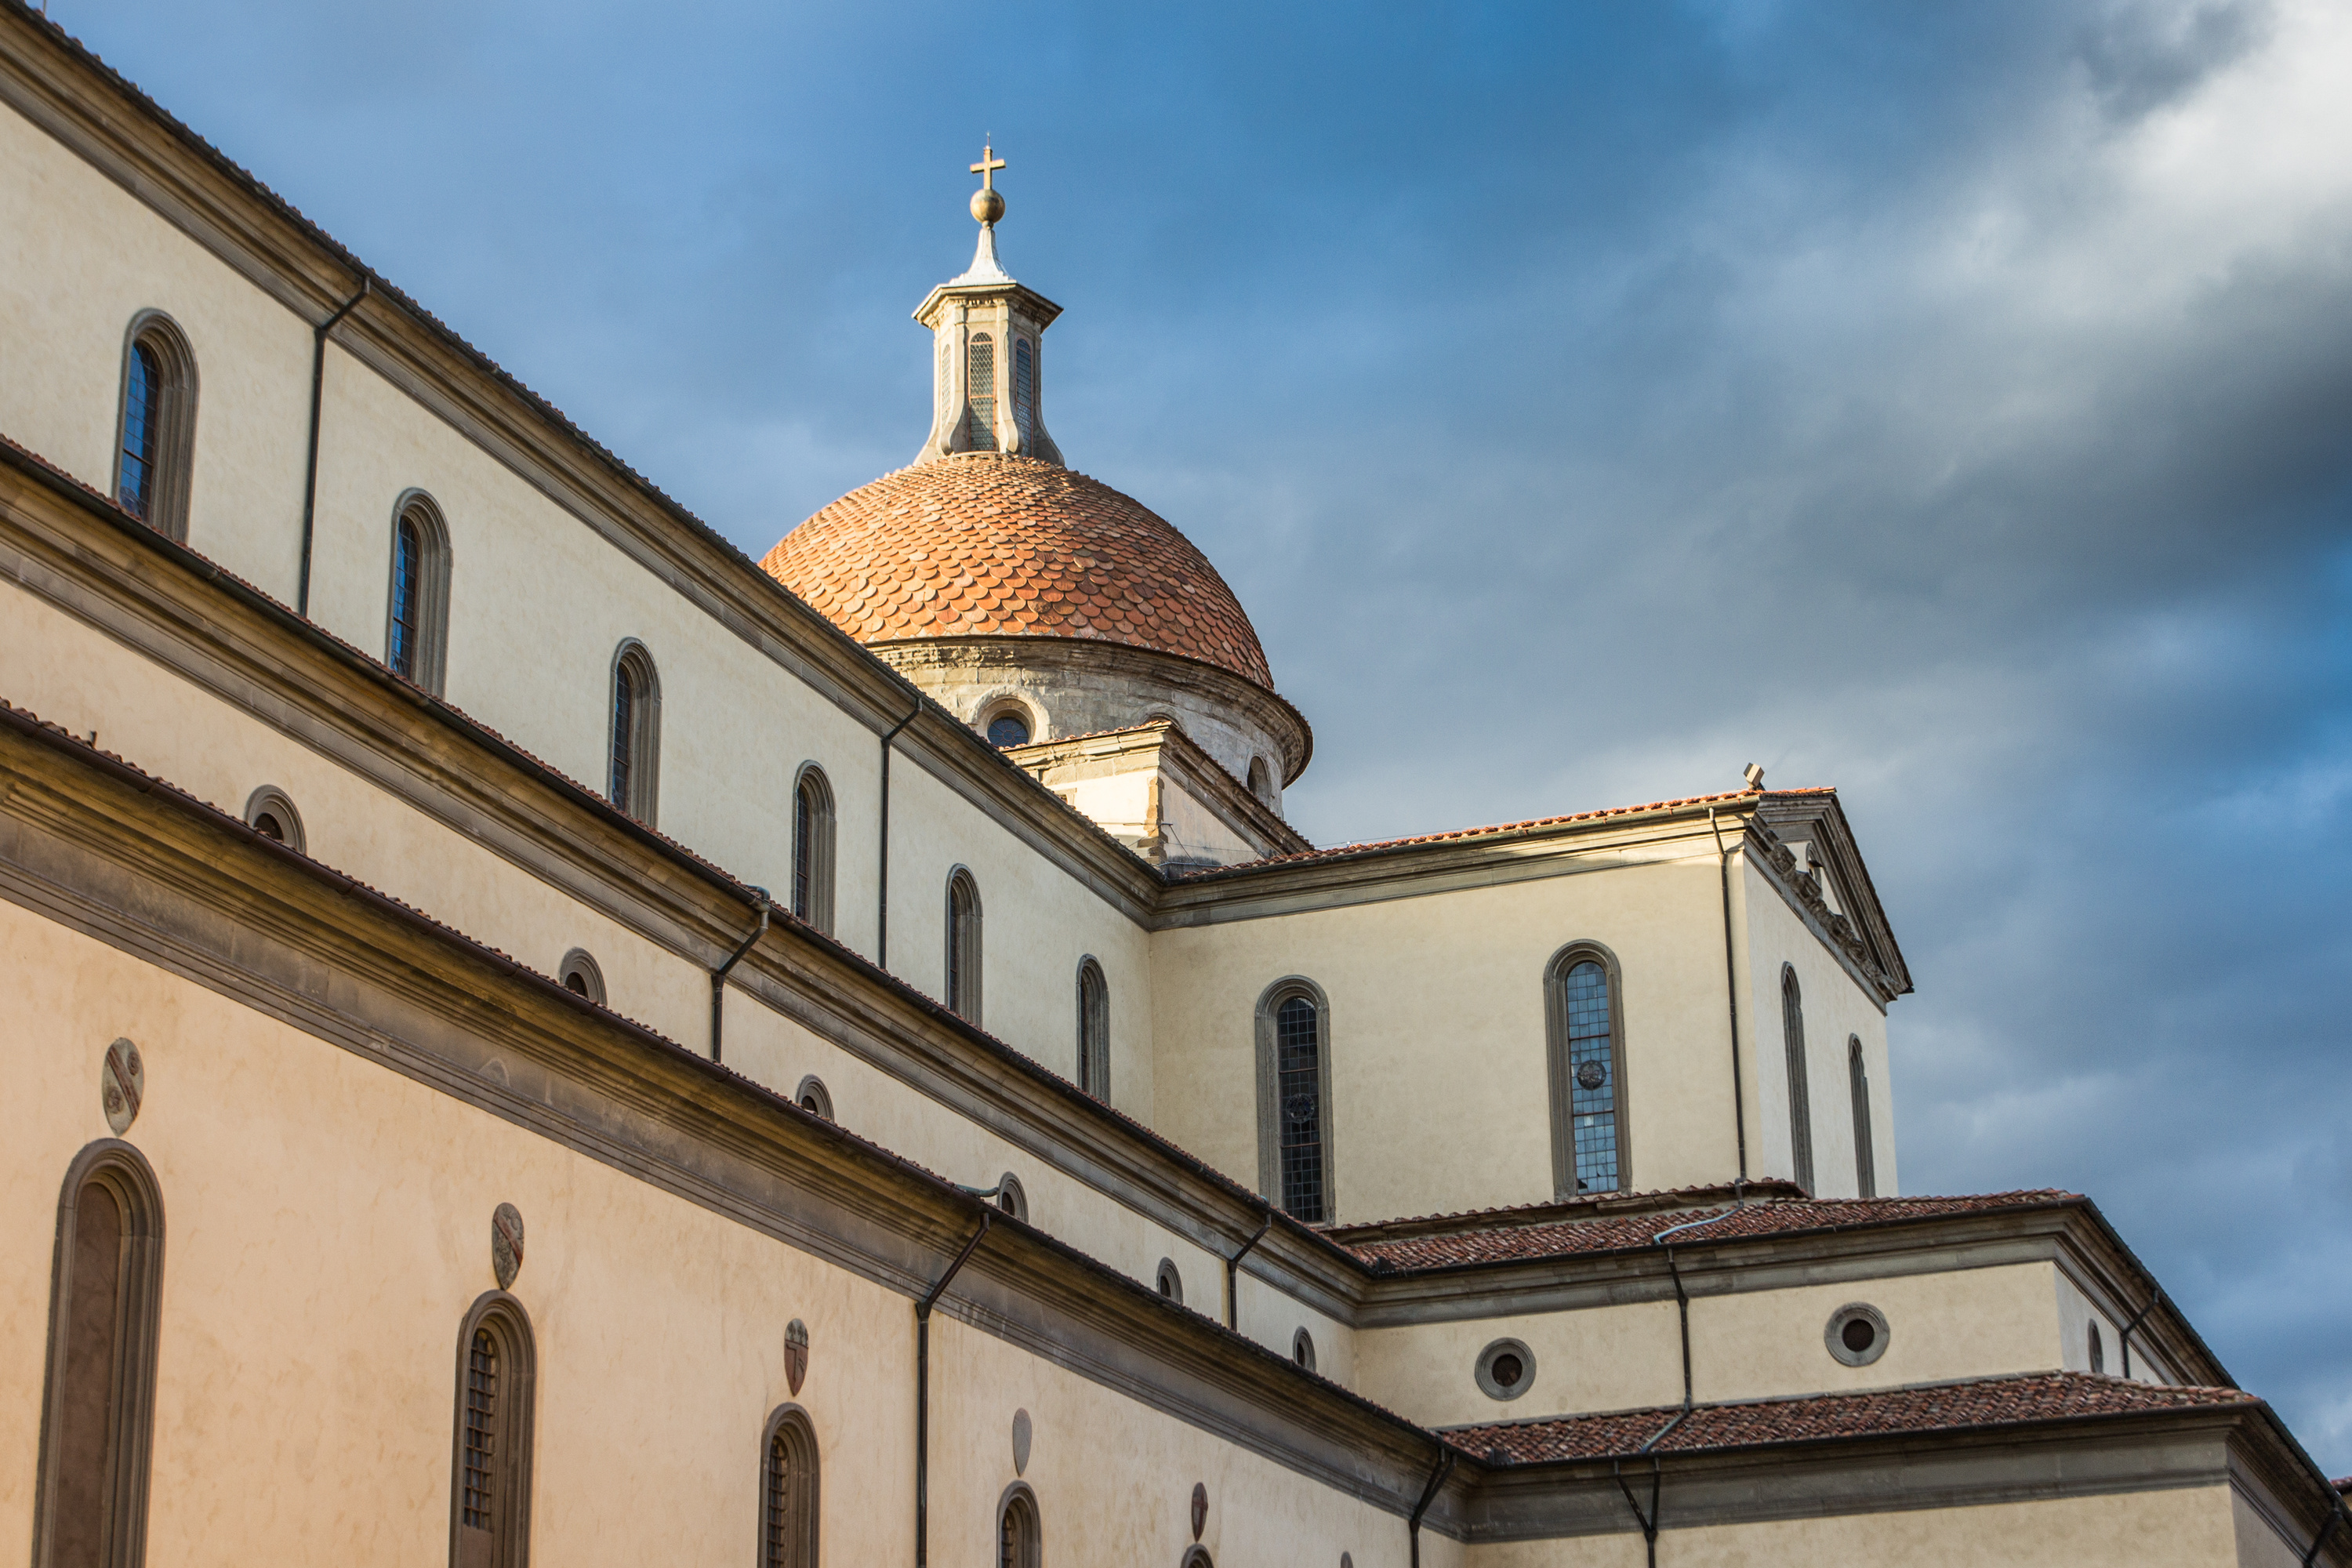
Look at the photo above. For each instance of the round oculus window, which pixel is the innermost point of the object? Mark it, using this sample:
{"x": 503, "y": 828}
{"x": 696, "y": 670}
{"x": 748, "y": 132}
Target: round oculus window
{"x": 1505, "y": 1369}
{"x": 1856, "y": 1334}
{"x": 1008, "y": 730}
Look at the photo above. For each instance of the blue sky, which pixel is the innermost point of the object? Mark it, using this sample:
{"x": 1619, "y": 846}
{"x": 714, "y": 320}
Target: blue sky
{"x": 1950, "y": 403}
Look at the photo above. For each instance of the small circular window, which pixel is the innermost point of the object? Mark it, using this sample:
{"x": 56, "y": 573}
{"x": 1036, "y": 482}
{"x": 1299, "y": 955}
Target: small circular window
{"x": 1505, "y": 1369}
{"x": 1009, "y": 728}
{"x": 1856, "y": 1334}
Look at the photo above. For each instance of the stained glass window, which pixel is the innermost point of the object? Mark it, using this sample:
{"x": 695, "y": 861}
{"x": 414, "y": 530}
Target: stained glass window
{"x": 1592, "y": 1100}
{"x": 407, "y": 595}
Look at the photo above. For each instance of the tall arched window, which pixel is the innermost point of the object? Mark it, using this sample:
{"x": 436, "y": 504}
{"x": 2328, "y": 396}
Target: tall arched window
{"x": 155, "y": 441}
{"x": 417, "y": 629}
{"x": 1020, "y": 1535}
{"x": 980, "y": 388}
{"x": 1858, "y": 1078}
{"x": 813, "y": 848}
{"x": 788, "y": 1490}
{"x": 1801, "y": 1104}
{"x": 98, "y": 1407}
{"x": 1294, "y": 1099}
{"x": 636, "y": 731}
{"x": 489, "y": 1481}
{"x": 963, "y": 945}
{"x": 1586, "y": 1062}
{"x": 1094, "y": 1029}
{"x": 1024, "y": 394}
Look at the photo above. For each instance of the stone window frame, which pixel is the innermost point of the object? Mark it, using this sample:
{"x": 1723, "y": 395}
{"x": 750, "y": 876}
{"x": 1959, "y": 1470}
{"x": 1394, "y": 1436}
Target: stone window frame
{"x": 1799, "y": 1074}
{"x": 429, "y": 667}
{"x": 1169, "y": 1281}
{"x": 812, "y": 1088}
{"x": 1833, "y": 1333}
{"x": 1302, "y": 1349}
{"x": 997, "y": 704}
{"x": 1196, "y": 1556}
{"x": 1482, "y": 1371}
{"x": 1269, "y": 1090}
{"x": 123, "y": 1171}
{"x": 1865, "y": 1151}
{"x": 960, "y": 971}
{"x": 1556, "y": 1050}
{"x": 275, "y": 802}
{"x": 509, "y": 1325}
{"x": 1094, "y": 1028}
{"x": 175, "y": 420}
{"x": 814, "y": 826}
{"x": 1020, "y": 1495}
{"x": 790, "y": 1424}
{"x": 1012, "y": 1197}
{"x": 580, "y": 962}
{"x": 644, "y": 740}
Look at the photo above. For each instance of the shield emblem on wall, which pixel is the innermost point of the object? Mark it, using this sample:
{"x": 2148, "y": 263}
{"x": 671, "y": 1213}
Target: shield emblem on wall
{"x": 795, "y": 1353}
{"x": 506, "y": 1245}
{"x": 121, "y": 1085}
{"x": 1200, "y": 1508}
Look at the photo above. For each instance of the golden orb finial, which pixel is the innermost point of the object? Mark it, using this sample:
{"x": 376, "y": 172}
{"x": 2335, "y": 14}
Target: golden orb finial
{"x": 988, "y": 201}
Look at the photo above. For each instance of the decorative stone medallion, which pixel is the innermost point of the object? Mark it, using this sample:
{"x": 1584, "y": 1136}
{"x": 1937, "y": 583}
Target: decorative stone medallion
{"x": 1200, "y": 1508}
{"x": 121, "y": 1085}
{"x": 795, "y": 1353}
{"x": 1020, "y": 1442}
{"x": 506, "y": 1245}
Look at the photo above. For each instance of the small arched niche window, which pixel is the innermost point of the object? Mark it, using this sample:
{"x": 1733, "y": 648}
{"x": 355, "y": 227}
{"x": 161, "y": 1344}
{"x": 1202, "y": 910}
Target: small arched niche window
{"x": 489, "y": 1481}
{"x": 155, "y": 441}
{"x": 580, "y": 975}
{"x": 635, "y": 747}
{"x": 1261, "y": 781}
{"x": 980, "y": 385}
{"x": 1302, "y": 1349}
{"x": 1020, "y": 1533}
{"x": 1294, "y": 1098}
{"x": 2098, "y": 1350}
{"x": 98, "y": 1407}
{"x": 1800, "y": 1103}
{"x": 814, "y": 1097}
{"x": 1858, "y": 1078}
{"x": 416, "y": 619}
{"x": 813, "y": 847}
{"x": 1170, "y": 1283}
{"x": 788, "y": 1490}
{"x": 270, "y": 813}
{"x": 1024, "y": 392}
{"x": 1012, "y": 1197}
{"x": 1094, "y": 1029}
{"x": 963, "y": 945}
{"x": 1586, "y": 1063}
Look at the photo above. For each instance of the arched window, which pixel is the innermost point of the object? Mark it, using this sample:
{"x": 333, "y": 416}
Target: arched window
{"x": 636, "y": 731}
{"x": 1260, "y": 781}
{"x": 1587, "y": 1067}
{"x": 1801, "y": 1104}
{"x": 417, "y": 628}
{"x": 1020, "y": 1538}
{"x": 1858, "y": 1078}
{"x": 98, "y": 1406}
{"x": 1302, "y": 1349}
{"x": 489, "y": 1481}
{"x": 788, "y": 1490}
{"x": 580, "y": 975}
{"x": 980, "y": 385}
{"x": 813, "y": 848}
{"x": 1167, "y": 1282}
{"x": 963, "y": 945}
{"x": 1013, "y": 1197}
{"x": 814, "y": 1097}
{"x": 270, "y": 813}
{"x": 1024, "y": 394}
{"x": 2098, "y": 1350}
{"x": 1094, "y": 1029}
{"x": 156, "y": 435}
{"x": 1294, "y": 1098}
{"x": 1008, "y": 726}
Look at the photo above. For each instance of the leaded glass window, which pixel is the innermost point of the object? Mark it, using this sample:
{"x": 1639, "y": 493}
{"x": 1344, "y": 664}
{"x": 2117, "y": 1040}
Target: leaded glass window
{"x": 1591, "y": 1075}
{"x": 141, "y": 422}
{"x": 636, "y": 732}
{"x": 1800, "y": 1105}
{"x": 1299, "y": 1066}
{"x": 625, "y": 729}
{"x": 812, "y": 831}
{"x": 1024, "y": 392}
{"x": 1094, "y": 1030}
{"x": 155, "y": 447}
{"x": 1866, "y": 1162}
{"x": 981, "y": 389}
{"x": 407, "y": 595}
{"x": 964, "y": 946}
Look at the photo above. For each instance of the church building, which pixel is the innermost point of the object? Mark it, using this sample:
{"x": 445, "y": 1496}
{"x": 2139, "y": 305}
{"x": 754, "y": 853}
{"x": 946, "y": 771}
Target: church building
{"x": 536, "y": 1037}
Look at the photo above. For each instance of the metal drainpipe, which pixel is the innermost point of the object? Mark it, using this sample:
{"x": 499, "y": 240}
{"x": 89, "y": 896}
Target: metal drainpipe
{"x": 1233, "y": 1275}
{"x": 718, "y": 975}
{"x": 2136, "y": 1322}
{"x": 311, "y": 473}
{"x": 1428, "y": 1495}
{"x": 2335, "y": 1518}
{"x": 1648, "y": 1522}
{"x": 882, "y": 897}
{"x": 1682, "y": 1307}
{"x": 923, "y": 1389}
{"x": 1731, "y": 991}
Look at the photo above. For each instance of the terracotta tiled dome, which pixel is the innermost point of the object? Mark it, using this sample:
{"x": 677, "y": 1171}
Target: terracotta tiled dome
{"x": 980, "y": 545}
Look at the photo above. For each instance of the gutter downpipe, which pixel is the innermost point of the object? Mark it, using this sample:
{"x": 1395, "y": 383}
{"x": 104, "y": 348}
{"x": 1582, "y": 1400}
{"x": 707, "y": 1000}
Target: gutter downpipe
{"x": 311, "y": 472}
{"x": 1233, "y": 1275}
{"x": 2135, "y": 1323}
{"x": 923, "y": 1388}
{"x": 1428, "y": 1495}
{"x": 2335, "y": 1518}
{"x": 718, "y": 975}
{"x": 882, "y": 894}
{"x": 1648, "y": 1522}
{"x": 1731, "y": 991}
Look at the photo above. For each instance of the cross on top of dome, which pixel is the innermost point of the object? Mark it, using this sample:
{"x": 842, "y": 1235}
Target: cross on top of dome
{"x": 987, "y": 203}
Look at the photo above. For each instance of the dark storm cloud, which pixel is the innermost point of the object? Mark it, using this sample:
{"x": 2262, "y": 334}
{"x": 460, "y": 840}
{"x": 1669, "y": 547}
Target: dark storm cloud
{"x": 1951, "y": 404}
